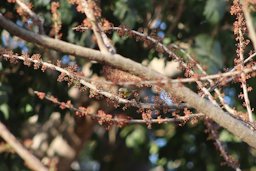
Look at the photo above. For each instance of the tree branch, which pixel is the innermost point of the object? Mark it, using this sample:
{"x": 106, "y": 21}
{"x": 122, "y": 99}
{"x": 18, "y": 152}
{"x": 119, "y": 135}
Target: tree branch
{"x": 90, "y": 85}
{"x": 237, "y": 127}
{"x": 121, "y": 121}
{"x": 102, "y": 39}
{"x": 36, "y": 19}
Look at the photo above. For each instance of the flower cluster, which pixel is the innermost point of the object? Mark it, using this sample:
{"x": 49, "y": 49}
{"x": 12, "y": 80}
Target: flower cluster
{"x": 56, "y": 19}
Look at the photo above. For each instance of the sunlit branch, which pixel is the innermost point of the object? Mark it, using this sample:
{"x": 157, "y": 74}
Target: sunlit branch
{"x": 93, "y": 87}
{"x": 102, "y": 39}
{"x": 161, "y": 47}
{"x": 234, "y": 125}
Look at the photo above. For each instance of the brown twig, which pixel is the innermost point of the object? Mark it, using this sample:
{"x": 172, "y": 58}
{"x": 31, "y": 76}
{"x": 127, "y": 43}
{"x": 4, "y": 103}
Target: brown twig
{"x": 183, "y": 64}
{"x": 215, "y": 137}
{"x": 226, "y": 75}
{"x": 128, "y": 120}
{"x": 239, "y": 31}
{"x": 36, "y": 19}
{"x": 91, "y": 86}
{"x": 183, "y": 80}
{"x": 233, "y": 69}
{"x": 102, "y": 39}
{"x": 234, "y": 125}
{"x": 243, "y": 77}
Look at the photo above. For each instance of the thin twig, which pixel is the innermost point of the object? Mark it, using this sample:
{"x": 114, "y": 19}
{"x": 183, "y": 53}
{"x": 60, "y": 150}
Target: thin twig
{"x": 239, "y": 31}
{"x": 206, "y": 92}
{"x": 215, "y": 137}
{"x": 233, "y": 69}
{"x": 243, "y": 77}
{"x": 234, "y": 125}
{"x": 102, "y": 39}
{"x": 221, "y": 76}
{"x": 32, "y": 162}
{"x": 128, "y": 120}
{"x": 36, "y": 19}
{"x": 168, "y": 120}
{"x": 252, "y": 36}
{"x": 183, "y": 80}
{"x": 249, "y": 23}
{"x": 93, "y": 87}
{"x": 183, "y": 64}
{"x": 204, "y": 89}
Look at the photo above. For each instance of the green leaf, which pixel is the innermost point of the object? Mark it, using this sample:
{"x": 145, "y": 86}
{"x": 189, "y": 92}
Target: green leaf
{"x": 127, "y": 15}
{"x": 135, "y": 136}
{"x": 1, "y": 66}
{"x": 153, "y": 148}
{"x": 126, "y": 130}
{"x": 66, "y": 12}
{"x": 214, "y": 10}
{"x": 28, "y": 108}
{"x": 167, "y": 41}
{"x": 4, "y": 108}
{"x": 120, "y": 9}
{"x": 208, "y": 52}
{"x": 162, "y": 161}
{"x": 225, "y": 136}
{"x": 117, "y": 39}
{"x": 38, "y": 3}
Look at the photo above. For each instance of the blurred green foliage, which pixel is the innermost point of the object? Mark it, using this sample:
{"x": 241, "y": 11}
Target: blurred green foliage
{"x": 205, "y": 26}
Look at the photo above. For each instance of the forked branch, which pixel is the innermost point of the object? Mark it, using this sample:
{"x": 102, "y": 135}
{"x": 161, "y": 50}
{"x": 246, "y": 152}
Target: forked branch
{"x": 234, "y": 125}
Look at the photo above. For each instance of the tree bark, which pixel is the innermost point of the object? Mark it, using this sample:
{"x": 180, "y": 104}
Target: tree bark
{"x": 236, "y": 126}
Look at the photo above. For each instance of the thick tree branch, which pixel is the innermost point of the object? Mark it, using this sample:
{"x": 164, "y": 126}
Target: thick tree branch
{"x": 91, "y": 86}
{"x": 237, "y": 127}
{"x": 117, "y": 61}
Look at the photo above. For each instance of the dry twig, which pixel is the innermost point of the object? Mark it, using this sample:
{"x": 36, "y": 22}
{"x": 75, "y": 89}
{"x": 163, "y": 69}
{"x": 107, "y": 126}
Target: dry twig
{"x": 36, "y": 19}
{"x": 234, "y": 125}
